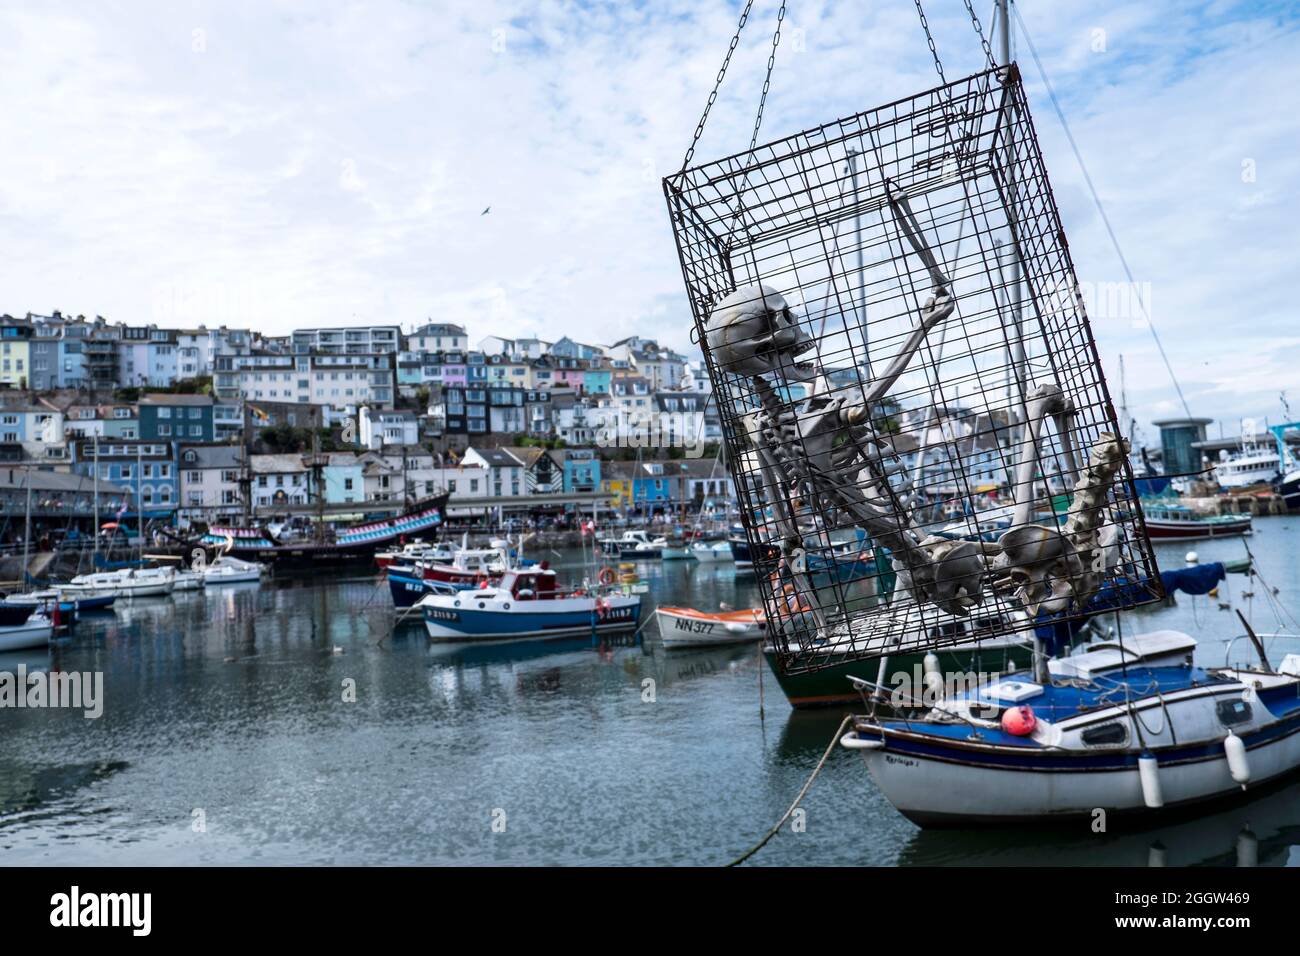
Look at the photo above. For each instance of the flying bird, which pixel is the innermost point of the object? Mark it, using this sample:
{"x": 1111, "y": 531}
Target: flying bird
{"x": 486, "y": 211}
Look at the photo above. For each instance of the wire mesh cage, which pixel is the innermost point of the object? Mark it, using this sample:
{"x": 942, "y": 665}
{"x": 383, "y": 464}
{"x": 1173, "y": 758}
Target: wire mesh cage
{"x": 921, "y": 437}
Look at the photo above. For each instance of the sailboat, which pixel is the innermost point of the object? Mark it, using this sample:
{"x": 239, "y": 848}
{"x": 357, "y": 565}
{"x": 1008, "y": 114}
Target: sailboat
{"x": 1126, "y": 726}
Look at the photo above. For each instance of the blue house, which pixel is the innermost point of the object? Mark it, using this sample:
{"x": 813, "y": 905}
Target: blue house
{"x": 146, "y": 469}
{"x": 581, "y": 470}
{"x": 650, "y": 485}
{"x": 176, "y": 418}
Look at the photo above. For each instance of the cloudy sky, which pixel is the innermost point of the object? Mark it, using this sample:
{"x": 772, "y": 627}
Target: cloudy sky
{"x": 285, "y": 164}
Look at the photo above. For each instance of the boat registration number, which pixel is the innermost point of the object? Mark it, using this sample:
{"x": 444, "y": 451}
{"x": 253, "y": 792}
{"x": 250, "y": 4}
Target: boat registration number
{"x": 694, "y": 627}
{"x": 439, "y": 614}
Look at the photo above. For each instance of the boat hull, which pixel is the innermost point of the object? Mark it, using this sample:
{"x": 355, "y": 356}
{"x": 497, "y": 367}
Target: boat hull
{"x": 26, "y": 636}
{"x": 518, "y": 620}
{"x": 830, "y": 686}
{"x": 684, "y": 627}
{"x": 934, "y": 787}
{"x": 1159, "y": 530}
{"x": 712, "y": 555}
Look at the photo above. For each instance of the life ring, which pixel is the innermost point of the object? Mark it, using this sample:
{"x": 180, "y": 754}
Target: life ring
{"x": 606, "y": 576}
{"x": 482, "y": 581}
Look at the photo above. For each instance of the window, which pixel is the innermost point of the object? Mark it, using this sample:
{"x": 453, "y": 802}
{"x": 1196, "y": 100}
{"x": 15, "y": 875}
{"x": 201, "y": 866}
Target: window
{"x": 347, "y": 484}
{"x": 194, "y": 476}
{"x": 164, "y": 413}
{"x": 1233, "y": 712}
{"x": 1106, "y": 735}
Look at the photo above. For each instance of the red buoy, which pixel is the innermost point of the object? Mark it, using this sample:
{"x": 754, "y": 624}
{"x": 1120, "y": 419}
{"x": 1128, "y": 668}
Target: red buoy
{"x": 1019, "y": 721}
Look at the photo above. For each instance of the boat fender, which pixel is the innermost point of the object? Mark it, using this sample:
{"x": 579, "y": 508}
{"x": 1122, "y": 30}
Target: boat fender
{"x": 933, "y": 675}
{"x": 851, "y": 741}
{"x": 606, "y": 576}
{"x": 1149, "y": 775}
{"x": 1238, "y": 762}
{"x": 1019, "y": 721}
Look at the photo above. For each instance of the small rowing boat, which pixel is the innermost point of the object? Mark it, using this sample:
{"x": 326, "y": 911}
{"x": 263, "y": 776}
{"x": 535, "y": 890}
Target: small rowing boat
{"x": 687, "y": 627}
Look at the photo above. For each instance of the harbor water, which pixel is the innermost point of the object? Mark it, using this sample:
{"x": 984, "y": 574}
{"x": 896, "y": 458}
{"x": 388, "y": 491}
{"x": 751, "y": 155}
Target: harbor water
{"x": 291, "y": 724}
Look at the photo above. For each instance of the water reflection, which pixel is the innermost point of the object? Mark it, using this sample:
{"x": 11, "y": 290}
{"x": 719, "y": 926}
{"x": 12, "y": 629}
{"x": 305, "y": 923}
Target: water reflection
{"x": 609, "y": 752}
{"x": 1260, "y": 831}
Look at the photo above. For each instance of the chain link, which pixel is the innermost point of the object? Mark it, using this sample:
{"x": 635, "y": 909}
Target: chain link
{"x": 929, "y": 38}
{"x": 735, "y": 40}
{"x": 767, "y": 80}
{"x": 979, "y": 31}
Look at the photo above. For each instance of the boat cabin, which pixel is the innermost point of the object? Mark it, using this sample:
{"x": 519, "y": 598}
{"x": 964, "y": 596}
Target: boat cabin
{"x": 530, "y": 585}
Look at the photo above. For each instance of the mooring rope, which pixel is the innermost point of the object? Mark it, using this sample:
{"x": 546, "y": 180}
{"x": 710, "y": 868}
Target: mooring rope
{"x": 794, "y": 806}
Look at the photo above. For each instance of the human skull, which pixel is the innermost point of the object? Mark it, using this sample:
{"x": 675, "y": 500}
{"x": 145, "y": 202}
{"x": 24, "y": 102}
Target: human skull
{"x": 753, "y": 331}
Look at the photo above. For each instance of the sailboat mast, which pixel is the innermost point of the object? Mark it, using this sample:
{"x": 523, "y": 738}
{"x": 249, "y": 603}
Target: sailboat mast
{"x": 139, "y": 506}
{"x": 27, "y": 524}
{"x": 94, "y": 531}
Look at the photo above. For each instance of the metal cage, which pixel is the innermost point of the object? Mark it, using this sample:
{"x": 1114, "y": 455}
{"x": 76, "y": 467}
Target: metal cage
{"x": 880, "y": 452}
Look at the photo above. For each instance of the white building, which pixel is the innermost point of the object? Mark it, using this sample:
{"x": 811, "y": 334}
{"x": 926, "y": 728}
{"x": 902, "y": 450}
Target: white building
{"x": 279, "y": 480}
{"x": 209, "y": 481}
{"x": 378, "y": 428}
{"x": 351, "y": 340}
{"x": 438, "y": 337}
{"x": 505, "y": 471}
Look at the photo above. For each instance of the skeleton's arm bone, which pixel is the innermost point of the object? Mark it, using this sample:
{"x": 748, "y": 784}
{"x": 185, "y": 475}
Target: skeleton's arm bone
{"x": 912, "y": 231}
{"x": 936, "y": 309}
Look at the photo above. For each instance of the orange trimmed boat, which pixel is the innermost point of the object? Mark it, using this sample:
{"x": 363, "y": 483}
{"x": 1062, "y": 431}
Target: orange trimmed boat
{"x": 687, "y": 627}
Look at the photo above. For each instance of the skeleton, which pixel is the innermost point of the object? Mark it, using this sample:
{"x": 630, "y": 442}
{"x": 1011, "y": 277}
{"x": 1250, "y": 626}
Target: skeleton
{"x": 825, "y": 453}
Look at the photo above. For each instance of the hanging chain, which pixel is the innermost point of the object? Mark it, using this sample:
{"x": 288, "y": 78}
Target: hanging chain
{"x": 929, "y": 38}
{"x": 699, "y": 127}
{"x": 979, "y": 31}
{"x": 767, "y": 80}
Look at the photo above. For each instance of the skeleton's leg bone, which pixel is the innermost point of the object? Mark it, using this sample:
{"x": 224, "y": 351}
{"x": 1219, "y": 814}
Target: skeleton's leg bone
{"x": 774, "y": 479}
{"x": 1064, "y": 421}
{"x": 1042, "y": 401}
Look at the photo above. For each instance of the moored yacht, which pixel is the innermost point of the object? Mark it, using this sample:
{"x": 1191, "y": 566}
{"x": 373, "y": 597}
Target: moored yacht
{"x": 1125, "y": 726}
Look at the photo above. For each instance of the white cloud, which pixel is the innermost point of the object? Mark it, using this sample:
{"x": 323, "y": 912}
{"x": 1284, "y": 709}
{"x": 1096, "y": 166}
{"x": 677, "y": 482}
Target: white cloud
{"x": 282, "y": 165}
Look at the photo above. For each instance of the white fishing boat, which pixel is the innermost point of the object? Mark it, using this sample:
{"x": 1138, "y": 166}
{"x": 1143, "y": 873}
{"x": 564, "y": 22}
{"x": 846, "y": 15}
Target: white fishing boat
{"x": 124, "y": 583}
{"x": 711, "y": 552}
{"x": 675, "y": 549}
{"x": 36, "y": 631}
{"x": 1256, "y": 462}
{"x": 187, "y": 581}
{"x": 231, "y": 570}
{"x": 1125, "y": 726}
{"x": 687, "y": 627}
{"x": 526, "y": 604}
{"x": 635, "y": 546}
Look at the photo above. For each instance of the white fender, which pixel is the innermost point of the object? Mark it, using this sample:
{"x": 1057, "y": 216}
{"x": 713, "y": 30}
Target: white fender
{"x": 933, "y": 675}
{"x": 851, "y": 741}
{"x": 1149, "y": 773}
{"x": 1238, "y": 762}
